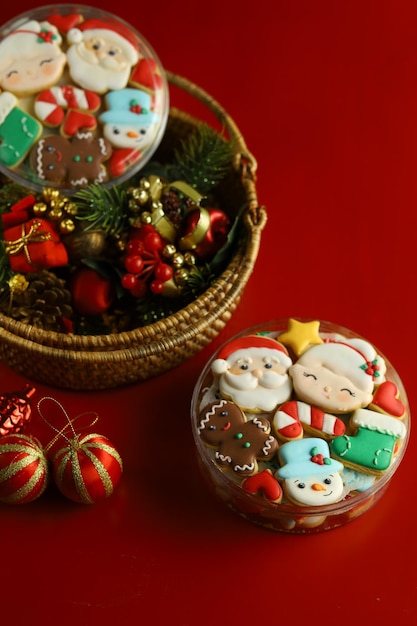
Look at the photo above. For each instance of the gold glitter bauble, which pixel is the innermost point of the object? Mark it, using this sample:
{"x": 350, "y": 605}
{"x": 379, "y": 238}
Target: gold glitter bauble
{"x": 40, "y": 208}
{"x": 67, "y": 226}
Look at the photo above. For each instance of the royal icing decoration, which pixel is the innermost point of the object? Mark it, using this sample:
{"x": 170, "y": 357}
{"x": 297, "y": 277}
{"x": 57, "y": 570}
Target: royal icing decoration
{"x": 51, "y": 105}
{"x": 386, "y": 400}
{"x": 240, "y": 443}
{"x": 309, "y": 475}
{"x": 31, "y": 58}
{"x": 293, "y": 417}
{"x": 372, "y": 446}
{"x": 18, "y": 131}
{"x": 76, "y": 162}
{"x": 265, "y": 484}
{"x": 78, "y": 73}
{"x": 301, "y": 335}
{"x": 253, "y": 372}
{"x": 338, "y": 376}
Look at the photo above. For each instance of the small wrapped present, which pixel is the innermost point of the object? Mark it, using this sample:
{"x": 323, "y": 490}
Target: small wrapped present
{"x": 34, "y": 245}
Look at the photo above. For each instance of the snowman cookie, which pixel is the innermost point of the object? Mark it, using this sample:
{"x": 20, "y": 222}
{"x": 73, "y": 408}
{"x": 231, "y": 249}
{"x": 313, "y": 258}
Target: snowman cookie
{"x": 309, "y": 475}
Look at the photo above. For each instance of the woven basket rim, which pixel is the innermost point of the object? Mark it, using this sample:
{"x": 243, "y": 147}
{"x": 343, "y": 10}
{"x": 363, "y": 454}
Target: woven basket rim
{"x": 146, "y": 340}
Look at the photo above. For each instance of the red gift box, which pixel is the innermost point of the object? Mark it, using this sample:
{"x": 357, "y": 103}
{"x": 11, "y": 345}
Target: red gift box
{"x": 34, "y": 245}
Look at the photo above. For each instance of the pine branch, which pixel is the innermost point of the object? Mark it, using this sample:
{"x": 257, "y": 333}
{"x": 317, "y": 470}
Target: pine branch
{"x": 203, "y": 158}
{"x": 103, "y": 208}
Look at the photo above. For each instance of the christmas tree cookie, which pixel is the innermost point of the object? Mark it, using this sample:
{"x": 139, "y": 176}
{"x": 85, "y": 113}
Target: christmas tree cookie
{"x": 373, "y": 445}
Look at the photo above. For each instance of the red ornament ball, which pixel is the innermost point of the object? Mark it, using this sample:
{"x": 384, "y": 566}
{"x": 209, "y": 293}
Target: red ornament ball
{"x": 92, "y": 294}
{"x": 15, "y": 410}
{"x": 23, "y": 469}
{"x": 87, "y": 469}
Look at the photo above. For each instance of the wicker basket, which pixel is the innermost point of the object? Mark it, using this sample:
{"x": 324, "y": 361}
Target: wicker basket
{"x": 107, "y": 361}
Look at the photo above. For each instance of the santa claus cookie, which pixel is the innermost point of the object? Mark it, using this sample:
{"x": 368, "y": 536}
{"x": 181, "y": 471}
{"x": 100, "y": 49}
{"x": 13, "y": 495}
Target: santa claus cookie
{"x": 252, "y": 371}
{"x": 334, "y": 412}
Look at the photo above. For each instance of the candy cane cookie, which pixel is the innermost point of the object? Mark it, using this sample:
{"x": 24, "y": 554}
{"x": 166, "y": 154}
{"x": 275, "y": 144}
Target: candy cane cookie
{"x": 70, "y": 107}
{"x": 293, "y": 417}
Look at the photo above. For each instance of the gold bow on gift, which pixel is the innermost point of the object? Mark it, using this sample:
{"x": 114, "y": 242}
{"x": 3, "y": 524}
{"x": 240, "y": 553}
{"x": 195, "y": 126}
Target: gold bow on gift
{"x": 34, "y": 235}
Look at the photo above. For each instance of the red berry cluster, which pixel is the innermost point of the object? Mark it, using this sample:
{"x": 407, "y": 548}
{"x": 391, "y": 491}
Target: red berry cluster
{"x": 143, "y": 262}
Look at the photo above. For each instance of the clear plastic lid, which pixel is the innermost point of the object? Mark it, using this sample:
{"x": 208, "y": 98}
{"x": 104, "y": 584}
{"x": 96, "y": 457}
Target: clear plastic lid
{"x": 83, "y": 99}
{"x": 299, "y": 425}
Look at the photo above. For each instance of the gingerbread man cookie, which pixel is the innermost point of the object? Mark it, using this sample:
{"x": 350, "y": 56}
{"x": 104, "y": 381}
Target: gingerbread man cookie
{"x": 240, "y": 443}
{"x": 75, "y": 162}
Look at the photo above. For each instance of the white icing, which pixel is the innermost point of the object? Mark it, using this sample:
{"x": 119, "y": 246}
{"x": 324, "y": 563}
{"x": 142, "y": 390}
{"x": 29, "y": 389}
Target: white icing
{"x": 7, "y": 103}
{"x": 39, "y": 162}
{"x": 373, "y": 420}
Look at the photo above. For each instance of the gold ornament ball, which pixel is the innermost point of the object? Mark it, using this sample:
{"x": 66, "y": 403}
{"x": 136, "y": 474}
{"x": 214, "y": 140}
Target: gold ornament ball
{"x": 40, "y": 208}
{"x": 71, "y": 208}
{"x": 181, "y": 276}
{"x": 56, "y": 214}
{"x": 146, "y": 217}
{"x": 67, "y": 226}
{"x": 169, "y": 250}
{"x": 178, "y": 259}
{"x": 190, "y": 259}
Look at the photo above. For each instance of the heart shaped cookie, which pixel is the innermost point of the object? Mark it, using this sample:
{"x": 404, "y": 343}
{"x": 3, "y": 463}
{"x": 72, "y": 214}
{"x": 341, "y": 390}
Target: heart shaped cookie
{"x": 65, "y": 22}
{"x": 386, "y": 400}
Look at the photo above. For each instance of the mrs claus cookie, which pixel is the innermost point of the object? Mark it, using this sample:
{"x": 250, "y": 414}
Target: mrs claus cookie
{"x": 71, "y": 72}
{"x": 299, "y": 424}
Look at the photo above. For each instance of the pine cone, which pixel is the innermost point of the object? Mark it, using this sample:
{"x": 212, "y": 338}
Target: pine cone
{"x": 44, "y": 303}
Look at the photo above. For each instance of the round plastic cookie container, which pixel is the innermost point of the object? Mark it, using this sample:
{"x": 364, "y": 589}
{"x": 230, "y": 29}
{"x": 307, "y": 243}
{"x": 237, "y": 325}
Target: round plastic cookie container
{"x": 299, "y": 425}
{"x": 83, "y": 98}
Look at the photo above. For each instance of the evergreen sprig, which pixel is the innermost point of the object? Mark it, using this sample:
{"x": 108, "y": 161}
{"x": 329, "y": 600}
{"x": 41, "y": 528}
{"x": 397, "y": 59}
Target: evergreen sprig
{"x": 203, "y": 158}
{"x": 103, "y": 208}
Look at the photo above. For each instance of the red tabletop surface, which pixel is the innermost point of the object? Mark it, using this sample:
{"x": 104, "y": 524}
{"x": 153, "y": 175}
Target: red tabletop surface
{"x": 325, "y": 94}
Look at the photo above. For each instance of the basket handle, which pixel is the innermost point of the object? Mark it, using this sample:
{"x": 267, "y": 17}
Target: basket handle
{"x": 220, "y": 113}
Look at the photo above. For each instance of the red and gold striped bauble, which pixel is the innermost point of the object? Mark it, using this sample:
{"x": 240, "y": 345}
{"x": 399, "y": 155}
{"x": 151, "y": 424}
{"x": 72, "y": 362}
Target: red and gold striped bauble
{"x": 87, "y": 469}
{"x": 23, "y": 469}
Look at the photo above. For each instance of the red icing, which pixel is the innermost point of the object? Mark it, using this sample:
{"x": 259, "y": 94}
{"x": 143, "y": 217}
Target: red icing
{"x": 386, "y": 401}
{"x": 122, "y": 159}
{"x": 265, "y": 484}
{"x": 65, "y": 22}
{"x": 76, "y": 121}
{"x": 144, "y": 74}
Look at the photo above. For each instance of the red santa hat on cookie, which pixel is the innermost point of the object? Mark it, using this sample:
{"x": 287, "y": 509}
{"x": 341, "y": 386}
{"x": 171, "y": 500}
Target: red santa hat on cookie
{"x": 109, "y": 30}
{"x": 246, "y": 345}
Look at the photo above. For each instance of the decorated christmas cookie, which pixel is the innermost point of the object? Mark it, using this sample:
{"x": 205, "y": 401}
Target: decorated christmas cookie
{"x": 331, "y": 409}
{"x": 239, "y": 442}
{"x": 253, "y": 372}
{"x": 18, "y": 131}
{"x": 66, "y": 71}
{"x": 310, "y": 476}
{"x": 31, "y": 58}
{"x": 75, "y": 162}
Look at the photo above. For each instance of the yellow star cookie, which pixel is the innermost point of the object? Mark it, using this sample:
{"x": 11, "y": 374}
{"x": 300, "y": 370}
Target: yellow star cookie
{"x": 301, "y": 335}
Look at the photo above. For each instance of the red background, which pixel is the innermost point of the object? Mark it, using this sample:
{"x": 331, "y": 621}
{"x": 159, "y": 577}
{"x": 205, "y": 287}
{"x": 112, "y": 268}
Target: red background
{"x": 325, "y": 94}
